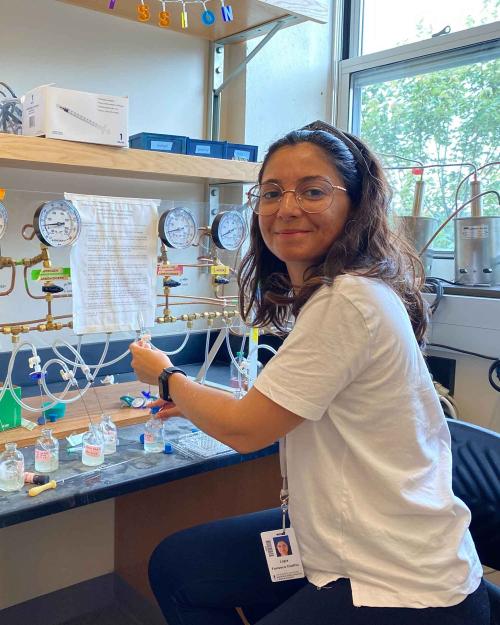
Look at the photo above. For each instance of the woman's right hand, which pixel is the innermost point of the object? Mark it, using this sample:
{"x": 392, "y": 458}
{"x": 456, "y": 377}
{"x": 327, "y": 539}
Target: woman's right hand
{"x": 167, "y": 409}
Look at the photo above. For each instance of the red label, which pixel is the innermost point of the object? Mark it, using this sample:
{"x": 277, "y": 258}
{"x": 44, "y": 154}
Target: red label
{"x": 42, "y": 455}
{"x": 93, "y": 450}
{"x": 169, "y": 270}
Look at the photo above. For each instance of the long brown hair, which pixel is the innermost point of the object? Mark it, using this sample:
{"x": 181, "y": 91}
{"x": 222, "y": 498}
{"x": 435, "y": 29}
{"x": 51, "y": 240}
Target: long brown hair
{"x": 367, "y": 247}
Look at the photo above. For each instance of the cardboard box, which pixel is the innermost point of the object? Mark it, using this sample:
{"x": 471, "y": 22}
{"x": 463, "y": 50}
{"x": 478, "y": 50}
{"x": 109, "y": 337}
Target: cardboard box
{"x": 75, "y": 116}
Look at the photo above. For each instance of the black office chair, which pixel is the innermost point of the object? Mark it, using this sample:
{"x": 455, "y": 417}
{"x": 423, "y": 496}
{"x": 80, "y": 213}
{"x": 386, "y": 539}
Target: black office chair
{"x": 476, "y": 480}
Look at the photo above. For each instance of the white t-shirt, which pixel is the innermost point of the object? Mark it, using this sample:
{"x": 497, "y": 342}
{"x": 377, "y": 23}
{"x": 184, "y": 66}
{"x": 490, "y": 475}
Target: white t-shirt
{"x": 369, "y": 470}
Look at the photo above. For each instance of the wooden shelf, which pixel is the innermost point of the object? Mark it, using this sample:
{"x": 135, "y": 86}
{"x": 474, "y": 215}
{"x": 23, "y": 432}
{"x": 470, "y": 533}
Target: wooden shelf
{"x": 76, "y": 419}
{"x": 248, "y": 14}
{"x": 86, "y": 158}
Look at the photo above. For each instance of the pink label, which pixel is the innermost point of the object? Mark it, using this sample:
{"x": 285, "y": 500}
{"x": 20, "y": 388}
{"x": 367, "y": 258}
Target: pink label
{"x": 93, "y": 450}
{"x": 169, "y": 270}
{"x": 42, "y": 455}
{"x": 149, "y": 438}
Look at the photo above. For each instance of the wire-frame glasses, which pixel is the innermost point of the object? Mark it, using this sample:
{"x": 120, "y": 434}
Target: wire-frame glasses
{"x": 313, "y": 196}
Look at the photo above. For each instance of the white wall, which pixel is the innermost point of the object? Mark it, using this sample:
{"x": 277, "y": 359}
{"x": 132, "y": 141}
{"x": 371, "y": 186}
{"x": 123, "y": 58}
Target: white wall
{"x": 44, "y": 555}
{"x": 289, "y": 83}
{"x": 163, "y": 73}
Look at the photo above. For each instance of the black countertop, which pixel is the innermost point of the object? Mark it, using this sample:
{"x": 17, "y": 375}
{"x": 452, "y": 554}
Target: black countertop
{"x": 141, "y": 470}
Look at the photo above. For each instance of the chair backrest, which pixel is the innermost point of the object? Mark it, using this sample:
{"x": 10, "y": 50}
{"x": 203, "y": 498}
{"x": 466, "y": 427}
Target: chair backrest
{"x": 476, "y": 481}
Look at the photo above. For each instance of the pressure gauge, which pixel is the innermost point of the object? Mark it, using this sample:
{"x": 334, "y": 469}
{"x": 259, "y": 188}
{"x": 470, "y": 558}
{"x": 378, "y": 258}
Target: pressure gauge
{"x": 3, "y": 220}
{"x": 229, "y": 230}
{"x": 57, "y": 223}
{"x": 177, "y": 228}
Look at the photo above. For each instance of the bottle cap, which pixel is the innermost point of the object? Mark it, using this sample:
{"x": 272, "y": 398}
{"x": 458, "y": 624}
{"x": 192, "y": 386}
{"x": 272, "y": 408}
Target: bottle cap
{"x": 155, "y": 409}
{"x": 168, "y": 449}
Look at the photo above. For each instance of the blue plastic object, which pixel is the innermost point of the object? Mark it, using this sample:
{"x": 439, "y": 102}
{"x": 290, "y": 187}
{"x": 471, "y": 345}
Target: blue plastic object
{"x": 195, "y": 429}
{"x": 175, "y": 144}
{"x": 55, "y": 412}
{"x": 141, "y": 439}
{"x": 168, "y": 449}
{"x": 241, "y": 152}
{"x": 203, "y": 147}
{"x": 155, "y": 409}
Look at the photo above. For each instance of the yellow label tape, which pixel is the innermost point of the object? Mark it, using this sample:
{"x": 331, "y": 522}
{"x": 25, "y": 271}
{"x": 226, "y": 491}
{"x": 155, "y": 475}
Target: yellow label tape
{"x": 254, "y": 335}
{"x": 2, "y": 194}
{"x": 219, "y": 270}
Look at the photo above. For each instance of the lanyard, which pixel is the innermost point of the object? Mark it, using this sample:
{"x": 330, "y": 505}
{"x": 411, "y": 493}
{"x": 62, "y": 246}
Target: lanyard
{"x": 284, "y": 489}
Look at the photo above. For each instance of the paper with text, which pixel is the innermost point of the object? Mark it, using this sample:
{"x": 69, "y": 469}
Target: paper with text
{"x": 113, "y": 263}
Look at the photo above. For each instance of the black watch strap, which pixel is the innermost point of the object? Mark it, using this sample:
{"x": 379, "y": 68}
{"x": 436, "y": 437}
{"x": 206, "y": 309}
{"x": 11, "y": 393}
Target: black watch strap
{"x": 163, "y": 381}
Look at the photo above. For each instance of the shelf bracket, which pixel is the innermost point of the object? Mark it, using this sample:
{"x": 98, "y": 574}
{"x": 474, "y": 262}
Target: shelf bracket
{"x": 217, "y": 61}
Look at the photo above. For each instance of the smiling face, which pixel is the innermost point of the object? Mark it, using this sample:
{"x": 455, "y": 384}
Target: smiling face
{"x": 298, "y": 238}
{"x": 282, "y": 548}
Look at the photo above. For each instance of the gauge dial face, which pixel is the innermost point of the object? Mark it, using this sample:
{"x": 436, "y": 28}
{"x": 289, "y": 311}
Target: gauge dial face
{"x": 3, "y": 220}
{"x": 229, "y": 230}
{"x": 57, "y": 223}
{"x": 177, "y": 228}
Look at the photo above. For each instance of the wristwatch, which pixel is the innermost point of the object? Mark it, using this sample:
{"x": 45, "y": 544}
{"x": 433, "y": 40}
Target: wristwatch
{"x": 163, "y": 381}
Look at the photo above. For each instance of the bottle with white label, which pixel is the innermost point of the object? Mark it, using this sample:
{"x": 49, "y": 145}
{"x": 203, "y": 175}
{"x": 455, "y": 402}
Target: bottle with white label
{"x": 46, "y": 452}
{"x": 153, "y": 434}
{"x": 110, "y": 434}
{"x": 93, "y": 447}
{"x": 11, "y": 468}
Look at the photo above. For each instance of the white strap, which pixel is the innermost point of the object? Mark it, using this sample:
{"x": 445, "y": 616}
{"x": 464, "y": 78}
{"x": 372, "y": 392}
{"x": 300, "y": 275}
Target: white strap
{"x": 284, "y": 490}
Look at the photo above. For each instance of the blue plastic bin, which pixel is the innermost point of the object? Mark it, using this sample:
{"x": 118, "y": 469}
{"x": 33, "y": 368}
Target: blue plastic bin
{"x": 158, "y": 142}
{"x": 203, "y": 147}
{"x": 241, "y": 152}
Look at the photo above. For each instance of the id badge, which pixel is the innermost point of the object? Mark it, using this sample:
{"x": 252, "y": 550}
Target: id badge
{"x": 282, "y": 555}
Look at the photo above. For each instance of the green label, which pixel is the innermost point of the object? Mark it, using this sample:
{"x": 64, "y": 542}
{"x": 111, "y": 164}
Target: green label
{"x": 54, "y": 273}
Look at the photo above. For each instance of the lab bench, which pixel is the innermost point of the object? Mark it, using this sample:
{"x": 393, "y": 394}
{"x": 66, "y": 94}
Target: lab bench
{"x": 154, "y": 494}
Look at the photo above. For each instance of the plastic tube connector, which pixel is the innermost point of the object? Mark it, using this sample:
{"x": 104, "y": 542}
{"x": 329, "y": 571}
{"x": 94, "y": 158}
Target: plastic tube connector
{"x": 86, "y": 372}
{"x": 68, "y": 376}
{"x": 34, "y": 363}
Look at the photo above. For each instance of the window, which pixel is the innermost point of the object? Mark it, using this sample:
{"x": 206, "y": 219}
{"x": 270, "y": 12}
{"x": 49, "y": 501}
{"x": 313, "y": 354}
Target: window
{"x": 435, "y": 100}
{"x": 391, "y": 23}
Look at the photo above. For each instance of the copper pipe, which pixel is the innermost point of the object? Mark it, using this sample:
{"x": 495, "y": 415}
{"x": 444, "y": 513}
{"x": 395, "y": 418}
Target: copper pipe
{"x": 26, "y": 286}
{"x": 44, "y": 320}
{"x": 223, "y": 304}
{"x": 198, "y": 297}
{"x": 17, "y": 329}
{"x": 12, "y": 265}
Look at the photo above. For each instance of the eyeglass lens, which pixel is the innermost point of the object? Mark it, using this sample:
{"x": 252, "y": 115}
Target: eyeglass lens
{"x": 313, "y": 196}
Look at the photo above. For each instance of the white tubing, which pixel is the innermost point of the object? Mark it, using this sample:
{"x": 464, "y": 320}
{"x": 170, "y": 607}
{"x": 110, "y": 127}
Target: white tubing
{"x": 179, "y": 349}
{"x": 230, "y": 351}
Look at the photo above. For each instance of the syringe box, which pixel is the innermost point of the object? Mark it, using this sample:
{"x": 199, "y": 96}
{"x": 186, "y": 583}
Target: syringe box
{"x": 76, "y": 116}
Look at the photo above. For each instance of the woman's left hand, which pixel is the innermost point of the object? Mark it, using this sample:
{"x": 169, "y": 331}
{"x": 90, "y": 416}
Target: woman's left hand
{"x": 148, "y": 363}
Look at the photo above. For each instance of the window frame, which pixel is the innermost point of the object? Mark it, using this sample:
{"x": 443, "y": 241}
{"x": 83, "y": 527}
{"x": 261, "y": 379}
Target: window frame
{"x": 407, "y": 54}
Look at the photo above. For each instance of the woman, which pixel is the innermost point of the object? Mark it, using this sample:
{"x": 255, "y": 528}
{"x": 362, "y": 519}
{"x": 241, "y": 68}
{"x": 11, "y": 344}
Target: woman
{"x": 382, "y": 538}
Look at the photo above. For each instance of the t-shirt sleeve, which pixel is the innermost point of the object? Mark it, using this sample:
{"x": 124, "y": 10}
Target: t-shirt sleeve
{"x": 328, "y": 347}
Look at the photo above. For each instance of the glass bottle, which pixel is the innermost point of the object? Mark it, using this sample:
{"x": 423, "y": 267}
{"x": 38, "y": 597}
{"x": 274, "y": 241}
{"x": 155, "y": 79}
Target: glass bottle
{"x": 236, "y": 377}
{"x": 110, "y": 434}
{"x": 93, "y": 447}
{"x": 46, "y": 452}
{"x": 11, "y": 468}
{"x": 153, "y": 435}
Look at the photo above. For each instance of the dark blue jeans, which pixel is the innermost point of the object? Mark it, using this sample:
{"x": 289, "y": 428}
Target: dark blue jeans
{"x": 200, "y": 574}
